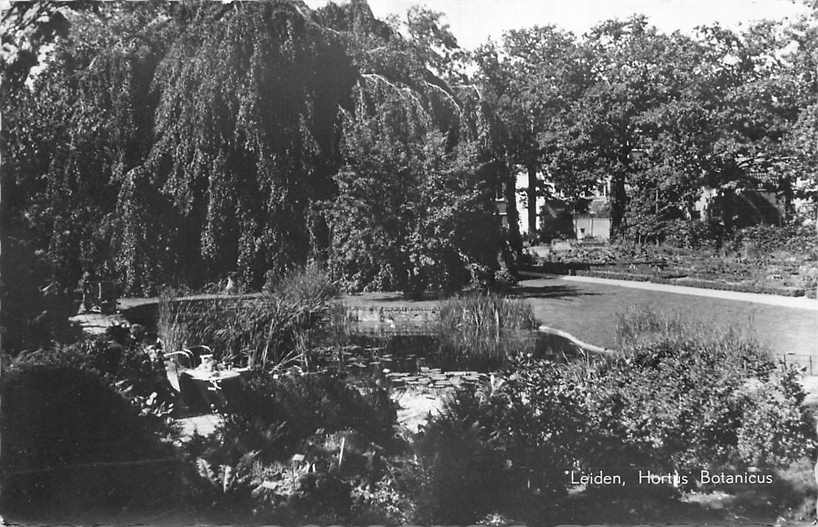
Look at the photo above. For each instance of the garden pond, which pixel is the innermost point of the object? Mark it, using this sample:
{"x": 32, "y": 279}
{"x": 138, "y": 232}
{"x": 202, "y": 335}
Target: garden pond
{"x": 404, "y": 350}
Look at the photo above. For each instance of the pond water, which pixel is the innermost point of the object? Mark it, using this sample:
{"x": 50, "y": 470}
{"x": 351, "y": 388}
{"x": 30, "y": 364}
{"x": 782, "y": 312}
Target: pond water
{"x": 422, "y": 357}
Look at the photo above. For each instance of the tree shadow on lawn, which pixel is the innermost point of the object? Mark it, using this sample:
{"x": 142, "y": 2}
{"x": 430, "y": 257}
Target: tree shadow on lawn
{"x": 550, "y": 291}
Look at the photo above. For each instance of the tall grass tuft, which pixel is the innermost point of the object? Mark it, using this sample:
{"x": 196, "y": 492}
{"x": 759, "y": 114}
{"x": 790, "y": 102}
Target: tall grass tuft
{"x": 486, "y": 311}
{"x": 273, "y": 330}
{"x": 171, "y": 326}
{"x": 643, "y": 331}
{"x": 643, "y": 324}
{"x": 483, "y": 330}
{"x": 310, "y": 285}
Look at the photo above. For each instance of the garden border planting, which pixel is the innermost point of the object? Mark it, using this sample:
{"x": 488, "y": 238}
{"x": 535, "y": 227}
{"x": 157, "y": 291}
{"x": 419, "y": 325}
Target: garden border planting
{"x": 695, "y": 282}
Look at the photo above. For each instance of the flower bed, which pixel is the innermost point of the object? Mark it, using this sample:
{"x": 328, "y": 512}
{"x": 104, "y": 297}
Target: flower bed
{"x": 742, "y": 287}
{"x": 777, "y": 261}
{"x": 616, "y": 275}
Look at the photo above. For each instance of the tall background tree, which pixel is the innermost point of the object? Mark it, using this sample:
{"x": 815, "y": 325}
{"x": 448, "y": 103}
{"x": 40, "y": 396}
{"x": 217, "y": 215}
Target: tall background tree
{"x": 532, "y": 79}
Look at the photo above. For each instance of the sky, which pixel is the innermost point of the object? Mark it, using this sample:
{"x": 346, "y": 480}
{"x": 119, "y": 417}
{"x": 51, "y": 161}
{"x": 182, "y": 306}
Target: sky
{"x": 474, "y": 21}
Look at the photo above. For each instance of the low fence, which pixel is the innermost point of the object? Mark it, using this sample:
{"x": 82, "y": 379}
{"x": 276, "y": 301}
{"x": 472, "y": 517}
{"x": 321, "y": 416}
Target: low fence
{"x": 803, "y": 361}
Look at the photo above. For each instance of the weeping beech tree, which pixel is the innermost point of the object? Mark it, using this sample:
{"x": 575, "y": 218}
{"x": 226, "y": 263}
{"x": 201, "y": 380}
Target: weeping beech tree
{"x": 76, "y": 121}
{"x": 175, "y": 143}
{"x": 246, "y": 130}
{"x": 75, "y": 130}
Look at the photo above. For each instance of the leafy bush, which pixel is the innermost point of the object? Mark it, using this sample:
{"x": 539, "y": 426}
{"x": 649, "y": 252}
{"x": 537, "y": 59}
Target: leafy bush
{"x": 33, "y": 317}
{"x": 307, "y": 403}
{"x": 228, "y": 487}
{"x": 129, "y": 369}
{"x": 391, "y": 499}
{"x": 504, "y": 449}
{"x": 412, "y": 213}
{"x": 767, "y": 239}
{"x": 462, "y": 471}
{"x": 504, "y": 279}
{"x": 61, "y": 420}
{"x": 298, "y": 449}
{"x": 776, "y": 429}
{"x": 680, "y": 396}
{"x": 694, "y": 234}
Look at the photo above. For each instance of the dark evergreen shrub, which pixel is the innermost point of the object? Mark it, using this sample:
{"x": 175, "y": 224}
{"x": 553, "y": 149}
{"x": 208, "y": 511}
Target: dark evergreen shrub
{"x": 125, "y": 365}
{"x": 62, "y": 421}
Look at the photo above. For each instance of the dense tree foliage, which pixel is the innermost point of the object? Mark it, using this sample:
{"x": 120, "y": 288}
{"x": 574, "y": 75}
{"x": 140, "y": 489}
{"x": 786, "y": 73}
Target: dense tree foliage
{"x": 244, "y": 141}
{"x": 531, "y": 81}
{"x": 658, "y": 117}
{"x": 414, "y": 207}
{"x": 177, "y": 143}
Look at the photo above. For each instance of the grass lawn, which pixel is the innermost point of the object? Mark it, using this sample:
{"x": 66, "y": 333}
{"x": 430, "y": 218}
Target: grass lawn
{"x": 589, "y": 312}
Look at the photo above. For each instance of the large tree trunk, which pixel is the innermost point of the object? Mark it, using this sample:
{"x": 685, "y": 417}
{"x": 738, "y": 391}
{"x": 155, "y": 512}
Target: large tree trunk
{"x": 532, "y": 199}
{"x": 787, "y": 192}
{"x": 515, "y": 241}
{"x": 618, "y": 203}
{"x": 3, "y": 275}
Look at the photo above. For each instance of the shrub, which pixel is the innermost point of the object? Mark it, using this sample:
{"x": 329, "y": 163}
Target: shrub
{"x": 128, "y": 361}
{"x": 680, "y": 396}
{"x": 694, "y": 234}
{"x": 411, "y": 215}
{"x": 298, "y": 448}
{"x": 461, "y": 469}
{"x": 227, "y": 487}
{"x": 767, "y": 239}
{"x": 504, "y": 279}
{"x": 505, "y": 449}
{"x": 391, "y": 499}
{"x": 307, "y": 403}
{"x": 775, "y": 430}
{"x": 129, "y": 369}
{"x": 59, "y": 422}
{"x": 686, "y": 396}
{"x": 33, "y": 316}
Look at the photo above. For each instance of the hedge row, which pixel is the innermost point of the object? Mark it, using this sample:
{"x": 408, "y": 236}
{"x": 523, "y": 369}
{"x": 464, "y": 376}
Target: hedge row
{"x": 697, "y": 282}
{"x": 616, "y": 275}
